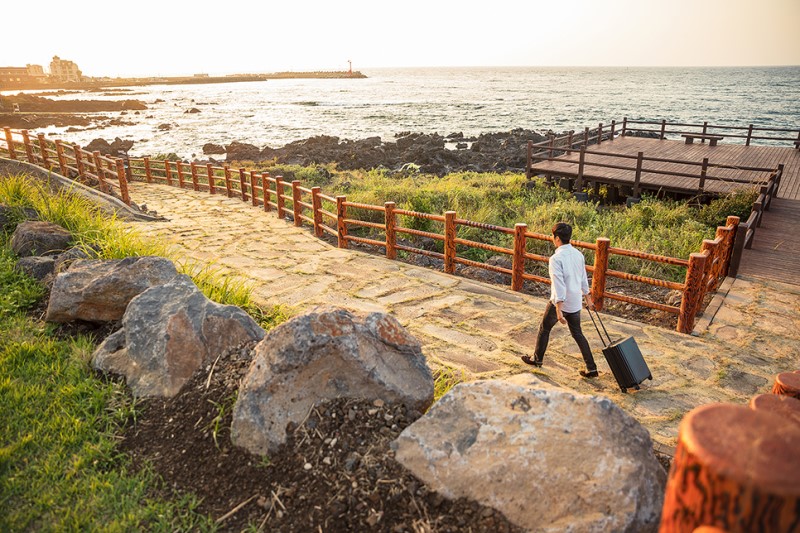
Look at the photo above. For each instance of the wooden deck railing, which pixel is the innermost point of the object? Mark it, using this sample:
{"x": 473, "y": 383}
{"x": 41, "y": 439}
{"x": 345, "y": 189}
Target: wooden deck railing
{"x": 554, "y": 147}
{"x": 336, "y": 216}
{"x": 750, "y": 133}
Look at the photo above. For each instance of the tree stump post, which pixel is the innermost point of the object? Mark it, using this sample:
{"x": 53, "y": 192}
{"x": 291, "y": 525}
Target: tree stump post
{"x": 167, "y": 173}
{"x": 736, "y": 469}
{"x": 391, "y": 234}
{"x": 787, "y": 384}
{"x": 212, "y": 188}
{"x": 266, "y": 192}
{"x": 518, "y": 261}
{"x": 782, "y": 405}
{"x": 10, "y": 143}
{"x": 599, "y": 273}
{"x": 228, "y": 184}
{"x": 195, "y": 184}
{"x": 341, "y": 225}
{"x": 450, "y": 242}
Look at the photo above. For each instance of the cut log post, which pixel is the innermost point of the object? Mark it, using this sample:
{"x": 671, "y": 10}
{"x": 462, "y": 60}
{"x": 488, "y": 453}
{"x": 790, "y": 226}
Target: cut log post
{"x": 212, "y": 188}
{"x": 43, "y": 150}
{"x": 600, "y": 268}
{"x": 450, "y": 242}
{"x": 265, "y": 192}
{"x": 243, "y": 184}
{"x": 297, "y": 209}
{"x": 785, "y": 406}
{"x": 123, "y": 182}
{"x": 98, "y": 167}
{"x": 316, "y": 204}
{"x": 79, "y": 162}
{"x": 195, "y": 183}
{"x": 253, "y": 185}
{"x": 391, "y": 234}
{"x": 10, "y": 143}
{"x": 736, "y": 469}
{"x": 692, "y": 292}
{"x": 518, "y": 261}
{"x": 279, "y": 200}
{"x": 167, "y": 173}
{"x": 62, "y": 161}
{"x": 148, "y": 173}
{"x": 788, "y": 384}
{"x": 179, "y": 166}
{"x": 26, "y": 140}
{"x": 228, "y": 183}
{"x": 341, "y": 225}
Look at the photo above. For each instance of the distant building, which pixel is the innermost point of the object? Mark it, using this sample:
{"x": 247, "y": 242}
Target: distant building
{"x": 36, "y": 72}
{"x": 64, "y": 70}
{"x": 14, "y": 76}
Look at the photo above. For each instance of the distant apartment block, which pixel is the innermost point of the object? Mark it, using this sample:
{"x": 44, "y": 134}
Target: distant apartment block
{"x": 21, "y": 75}
{"x": 64, "y": 70}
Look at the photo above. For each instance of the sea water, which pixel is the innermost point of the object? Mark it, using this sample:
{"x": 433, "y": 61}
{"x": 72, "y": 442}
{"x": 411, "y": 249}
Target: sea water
{"x": 446, "y": 100}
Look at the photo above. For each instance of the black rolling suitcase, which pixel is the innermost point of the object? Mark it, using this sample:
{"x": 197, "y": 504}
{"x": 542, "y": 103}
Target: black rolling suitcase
{"x": 624, "y": 358}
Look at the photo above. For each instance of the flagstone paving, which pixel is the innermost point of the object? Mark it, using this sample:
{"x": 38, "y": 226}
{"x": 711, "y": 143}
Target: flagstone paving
{"x": 481, "y": 330}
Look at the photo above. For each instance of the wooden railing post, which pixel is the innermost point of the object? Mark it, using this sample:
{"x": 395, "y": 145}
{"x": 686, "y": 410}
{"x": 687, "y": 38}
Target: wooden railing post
{"x": 43, "y": 150}
{"x": 569, "y": 140}
{"x": 703, "y": 173}
{"x": 10, "y": 142}
{"x": 581, "y": 167}
{"x": 279, "y": 195}
{"x": 599, "y": 273}
{"x": 692, "y": 292}
{"x": 586, "y": 136}
{"x": 599, "y": 133}
{"x": 212, "y": 188}
{"x": 551, "y": 145}
{"x": 28, "y": 148}
{"x": 179, "y": 166}
{"x": 518, "y": 261}
{"x": 79, "y": 161}
{"x": 228, "y": 184}
{"x": 316, "y": 204}
{"x": 266, "y": 194}
{"x": 711, "y": 249}
{"x": 253, "y": 184}
{"x": 341, "y": 215}
{"x": 738, "y": 249}
{"x": 705, "y": 131}
{"x": 528, "y": 172}
{"x": 243, "y": 186}
{"x": 638, "y": 176}
{"x": 123, "y": 182}
{"x": 391, "y": 234}
{"x": 624, "y": 126}
{"x": 195, "y": 184}
{"x": 148, "y": 173}
{"x": 450, "y": 242}
{"x": 613, "y": 126}
{"x": 727, "y": 233}
{"x": 663, "y": 128}
{"x": 749, "y": 135}
{"x": 167, "y": 172}
{"x": 62, "y": 161}
{"x": 98, "y": 166}
{"x": 296, "y": 207}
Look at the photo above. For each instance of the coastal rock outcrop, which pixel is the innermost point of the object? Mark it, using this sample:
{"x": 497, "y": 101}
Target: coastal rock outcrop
{"x": 35, "y": 237}
{"x": 549, "y": 459}
{"x": 115, "y": 148}
{"x": 100, "y": 291}
{"x": 326, "y": 354}
{"x": 168, "y": 332}
{"x": 212, "y": 149}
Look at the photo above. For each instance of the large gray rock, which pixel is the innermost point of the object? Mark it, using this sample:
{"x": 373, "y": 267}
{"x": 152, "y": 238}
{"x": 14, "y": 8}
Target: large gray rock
{"x": 548, "y": 459}
{"x": 35, "y": 237}
{"x": 99, "y": 290}
{"x": 37, "y": 267}
{"x": 323, "y": 355}
{"x": 168, "y": 332}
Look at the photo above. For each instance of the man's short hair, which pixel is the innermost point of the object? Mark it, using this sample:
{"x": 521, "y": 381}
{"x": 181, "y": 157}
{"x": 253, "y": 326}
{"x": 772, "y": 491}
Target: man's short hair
{"x": 563, "y": 231}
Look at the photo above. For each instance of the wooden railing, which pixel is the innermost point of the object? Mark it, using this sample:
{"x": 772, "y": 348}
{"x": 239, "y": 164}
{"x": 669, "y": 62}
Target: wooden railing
{"x": 749, "y": 133}
{"x": 336, "y": 216}
{"x": 554, "y": 147}
{"x": 746, "y": 230}
{"x": 98, "y": 171}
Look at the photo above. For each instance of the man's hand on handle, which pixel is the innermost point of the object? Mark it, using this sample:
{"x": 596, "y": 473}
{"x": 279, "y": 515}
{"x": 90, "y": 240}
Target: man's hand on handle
{"x": 589, "y": 302}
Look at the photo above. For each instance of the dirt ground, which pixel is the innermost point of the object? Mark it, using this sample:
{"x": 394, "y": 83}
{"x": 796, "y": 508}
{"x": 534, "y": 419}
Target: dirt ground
{"x": 335, "y": 473}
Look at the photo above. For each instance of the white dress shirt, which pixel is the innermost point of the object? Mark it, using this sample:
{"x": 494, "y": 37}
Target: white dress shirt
{"x": 568, "y": 278}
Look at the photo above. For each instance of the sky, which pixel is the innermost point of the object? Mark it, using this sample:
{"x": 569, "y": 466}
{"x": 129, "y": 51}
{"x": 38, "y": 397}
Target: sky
{"x": 159, "y": 38}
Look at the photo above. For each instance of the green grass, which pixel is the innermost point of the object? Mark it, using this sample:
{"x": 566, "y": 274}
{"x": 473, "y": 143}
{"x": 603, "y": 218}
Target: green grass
{"x": 663, "y": 227}
{"x": 59, "y": 466}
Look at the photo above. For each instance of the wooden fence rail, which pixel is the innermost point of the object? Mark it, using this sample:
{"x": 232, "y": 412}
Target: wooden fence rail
{"x": 704, "y": 270}
{"x": 665, "y": 128}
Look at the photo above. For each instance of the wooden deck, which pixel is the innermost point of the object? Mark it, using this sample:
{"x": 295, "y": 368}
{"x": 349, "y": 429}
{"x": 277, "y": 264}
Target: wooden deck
{"x": 775, "y": 254}
{"x": 723, "y": 153}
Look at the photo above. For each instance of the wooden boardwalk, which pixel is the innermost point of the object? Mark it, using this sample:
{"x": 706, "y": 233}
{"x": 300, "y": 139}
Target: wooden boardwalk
{"x": 775, "y": 254}
{"x": 723, "y": 153}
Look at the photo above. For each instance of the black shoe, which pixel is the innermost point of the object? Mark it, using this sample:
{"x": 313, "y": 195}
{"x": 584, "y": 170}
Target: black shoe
{"x": 527, "y": 360}
{"x": 589, "y": 373}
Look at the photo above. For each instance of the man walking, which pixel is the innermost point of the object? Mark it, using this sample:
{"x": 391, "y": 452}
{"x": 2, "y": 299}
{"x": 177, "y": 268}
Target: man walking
{"x": 568, "y": 283}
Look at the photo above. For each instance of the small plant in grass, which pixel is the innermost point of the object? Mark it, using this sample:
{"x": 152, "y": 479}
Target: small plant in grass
{"x": 444, "y": 379}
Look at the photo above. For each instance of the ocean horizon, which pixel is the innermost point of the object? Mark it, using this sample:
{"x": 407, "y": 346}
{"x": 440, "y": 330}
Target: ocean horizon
{"x": 444, "y": 100}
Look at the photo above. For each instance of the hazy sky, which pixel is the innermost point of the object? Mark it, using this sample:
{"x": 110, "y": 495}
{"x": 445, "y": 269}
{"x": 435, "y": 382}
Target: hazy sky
{"x": 164, "y": 37}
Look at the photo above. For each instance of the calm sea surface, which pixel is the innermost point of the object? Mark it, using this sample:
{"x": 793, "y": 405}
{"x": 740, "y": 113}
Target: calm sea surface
{"x": 447, "y": 100}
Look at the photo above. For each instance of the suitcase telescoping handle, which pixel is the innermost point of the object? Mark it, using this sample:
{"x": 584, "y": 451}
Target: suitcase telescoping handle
{"x": 598, "y": 329}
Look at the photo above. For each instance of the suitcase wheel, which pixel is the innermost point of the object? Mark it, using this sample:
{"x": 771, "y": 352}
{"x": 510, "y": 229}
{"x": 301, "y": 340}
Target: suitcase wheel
{"x": 637, "y": 387}
{"x": 650, "y": 377}
{"x": 624, "y": 390}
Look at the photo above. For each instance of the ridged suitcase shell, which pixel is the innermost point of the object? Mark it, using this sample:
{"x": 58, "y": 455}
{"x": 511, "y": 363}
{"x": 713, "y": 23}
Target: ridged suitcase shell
{"x": 627, "y": 364}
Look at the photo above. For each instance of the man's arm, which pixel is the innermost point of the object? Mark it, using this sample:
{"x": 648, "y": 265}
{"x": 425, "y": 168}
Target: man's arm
{"x": 559, "y": 287}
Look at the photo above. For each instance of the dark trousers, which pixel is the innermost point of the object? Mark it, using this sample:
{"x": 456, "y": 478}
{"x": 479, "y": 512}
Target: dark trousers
{"x": 574, "y": 322}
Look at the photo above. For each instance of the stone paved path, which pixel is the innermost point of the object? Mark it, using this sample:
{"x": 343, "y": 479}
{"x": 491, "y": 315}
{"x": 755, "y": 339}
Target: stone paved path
{"x": 481, "y": 330}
